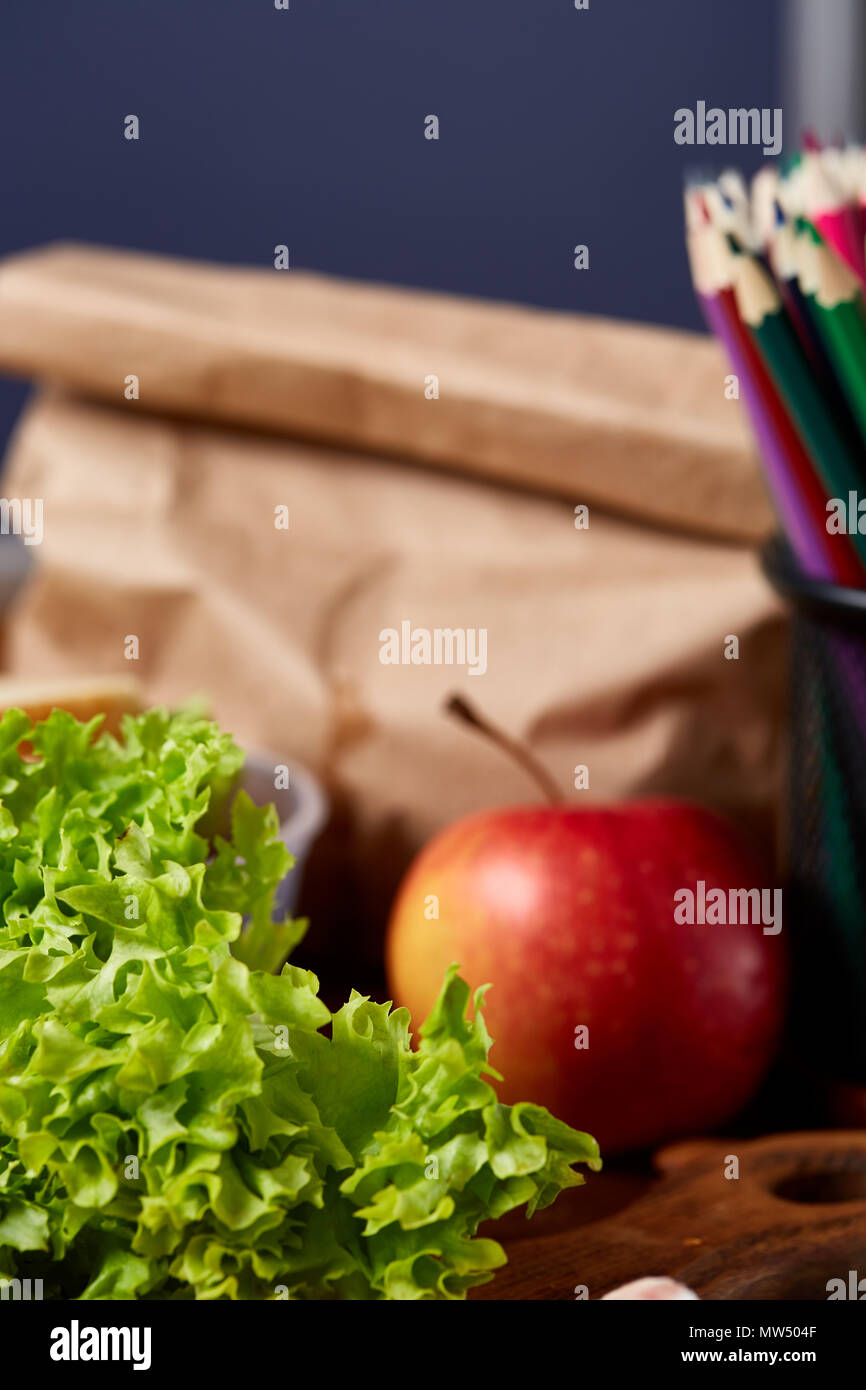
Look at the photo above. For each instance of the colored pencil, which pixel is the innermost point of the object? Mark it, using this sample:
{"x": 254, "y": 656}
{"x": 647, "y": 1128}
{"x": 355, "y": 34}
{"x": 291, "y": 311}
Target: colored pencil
{"x": 837, "y": 307}
{"x": 760, "y": 306}
{"x": 829, "y": 209}
{"x": 795, "y": 491}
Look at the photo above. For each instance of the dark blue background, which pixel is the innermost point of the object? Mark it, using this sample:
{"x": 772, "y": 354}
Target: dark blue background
{"x": 306, "y": 126}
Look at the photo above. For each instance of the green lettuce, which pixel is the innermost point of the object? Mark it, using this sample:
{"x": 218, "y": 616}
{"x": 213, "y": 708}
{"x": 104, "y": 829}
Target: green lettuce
{"x": 176, "y": 1120}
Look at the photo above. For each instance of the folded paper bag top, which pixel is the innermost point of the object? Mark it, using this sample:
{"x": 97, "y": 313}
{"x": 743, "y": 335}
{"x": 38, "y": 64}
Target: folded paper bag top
{"x": 628, "y": 417}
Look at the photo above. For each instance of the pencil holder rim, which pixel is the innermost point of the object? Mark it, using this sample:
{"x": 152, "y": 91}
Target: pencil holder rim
{"x": 818, "y": 597}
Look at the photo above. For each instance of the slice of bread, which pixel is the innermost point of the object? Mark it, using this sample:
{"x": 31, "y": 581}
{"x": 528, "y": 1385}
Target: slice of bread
{"x": 83, "y": 696}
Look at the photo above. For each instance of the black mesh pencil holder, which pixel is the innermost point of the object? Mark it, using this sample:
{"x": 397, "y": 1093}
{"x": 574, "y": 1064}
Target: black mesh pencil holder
{"x": 825, "y": 895}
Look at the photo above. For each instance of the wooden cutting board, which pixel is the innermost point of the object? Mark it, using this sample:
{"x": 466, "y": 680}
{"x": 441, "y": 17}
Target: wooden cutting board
{"x": 793, "y": 1219}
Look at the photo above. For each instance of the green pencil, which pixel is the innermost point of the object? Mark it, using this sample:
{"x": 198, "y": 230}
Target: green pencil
{"x": 837, "y": 309}
{"x": 839, "y": 463}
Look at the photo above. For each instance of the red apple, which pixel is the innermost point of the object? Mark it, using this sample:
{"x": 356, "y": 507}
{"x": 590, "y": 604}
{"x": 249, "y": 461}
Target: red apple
{"x": 569, "y": 914}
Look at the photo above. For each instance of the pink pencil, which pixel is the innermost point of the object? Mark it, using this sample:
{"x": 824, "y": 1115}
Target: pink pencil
{"x": 837, "y": 219}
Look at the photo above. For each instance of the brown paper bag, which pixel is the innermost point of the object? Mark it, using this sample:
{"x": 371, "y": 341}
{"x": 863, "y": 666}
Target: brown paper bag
{"x": 604, "y": 646}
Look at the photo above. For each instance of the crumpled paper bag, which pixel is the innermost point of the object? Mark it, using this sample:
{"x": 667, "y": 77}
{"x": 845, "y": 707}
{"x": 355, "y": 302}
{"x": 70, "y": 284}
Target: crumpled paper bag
{"x": 605, "y": 646}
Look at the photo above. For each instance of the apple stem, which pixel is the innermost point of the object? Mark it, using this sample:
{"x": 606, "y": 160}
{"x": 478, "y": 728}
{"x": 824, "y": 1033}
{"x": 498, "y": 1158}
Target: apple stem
{"x": 461, "y": 708}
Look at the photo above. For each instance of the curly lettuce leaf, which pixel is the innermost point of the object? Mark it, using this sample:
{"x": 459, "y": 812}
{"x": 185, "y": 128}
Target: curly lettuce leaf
{"x": 178, "y": 1121}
